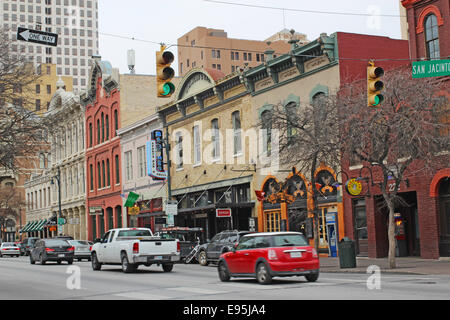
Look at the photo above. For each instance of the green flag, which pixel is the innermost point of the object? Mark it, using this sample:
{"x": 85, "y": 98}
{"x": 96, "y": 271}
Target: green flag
{"x": 131, "y": 200}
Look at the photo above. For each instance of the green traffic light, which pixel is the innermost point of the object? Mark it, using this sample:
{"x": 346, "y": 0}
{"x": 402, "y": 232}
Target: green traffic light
{"x": 168, "y": 88}
{"x": 378, "y": 99}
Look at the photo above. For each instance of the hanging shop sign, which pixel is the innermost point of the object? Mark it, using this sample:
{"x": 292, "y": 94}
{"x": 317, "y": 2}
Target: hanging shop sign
{"x": 353, "y": 187}
{"x": 155, "y": 156}
{"x": 221, "y": 213}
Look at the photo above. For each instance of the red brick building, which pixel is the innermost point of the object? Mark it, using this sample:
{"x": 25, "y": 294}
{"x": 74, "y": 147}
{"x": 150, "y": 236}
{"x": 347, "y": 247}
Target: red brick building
{"x": 103, "y": 185}
{"x": 427, "y": 218}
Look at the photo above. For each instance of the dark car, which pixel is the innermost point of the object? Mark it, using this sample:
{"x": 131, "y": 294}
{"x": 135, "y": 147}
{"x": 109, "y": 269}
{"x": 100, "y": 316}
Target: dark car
{"x": 188, "y": 238}
{"x": 270, "y": 254}
{"x": 27, "y": 245}
{"x": 52, "y": 250}
{"x": 220, "y": 243}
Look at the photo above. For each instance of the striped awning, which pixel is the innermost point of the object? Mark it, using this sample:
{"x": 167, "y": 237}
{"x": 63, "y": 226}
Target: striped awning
{"x": 40, "y": 225}
{"x": 25, "y": 228}
{"x": 31, "y": 226}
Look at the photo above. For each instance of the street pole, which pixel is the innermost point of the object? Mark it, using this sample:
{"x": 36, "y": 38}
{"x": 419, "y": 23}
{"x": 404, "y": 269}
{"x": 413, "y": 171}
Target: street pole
{"x": 59, "y": 201}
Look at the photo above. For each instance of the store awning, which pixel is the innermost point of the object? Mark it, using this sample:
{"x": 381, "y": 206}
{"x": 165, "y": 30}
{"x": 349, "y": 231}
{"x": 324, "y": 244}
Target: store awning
{"x": 40, "y": 225}
{"x": 31, "y": 227}
{"x": 25, "y": 228}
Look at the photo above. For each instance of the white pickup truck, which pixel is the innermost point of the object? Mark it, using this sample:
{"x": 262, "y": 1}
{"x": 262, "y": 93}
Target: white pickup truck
{"x": 131, "y": 247}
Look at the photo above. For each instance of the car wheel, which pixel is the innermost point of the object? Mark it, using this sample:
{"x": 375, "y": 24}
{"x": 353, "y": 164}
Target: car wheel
{"x": 126, "y": 266}
{"x": 312, "y": 277}
{"x": 95, "y": 264}
{"x": 202, "y": 259}
{"x": 31, "y": 260}
{"x": 42, "y": 260}
{"x": 70, "y": 261}
{"x": 58, "y": 262}
{"x": 167, "y": 267}
{"x": 262, "y": 274}
{"x": 224, "y": 273}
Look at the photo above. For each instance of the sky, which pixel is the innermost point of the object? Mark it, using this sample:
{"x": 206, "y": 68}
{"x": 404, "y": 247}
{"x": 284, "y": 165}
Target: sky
{"x": 151, "y": 22}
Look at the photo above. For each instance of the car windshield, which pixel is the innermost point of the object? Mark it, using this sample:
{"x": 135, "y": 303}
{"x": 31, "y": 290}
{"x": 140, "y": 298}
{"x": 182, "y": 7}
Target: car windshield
{"x": 56, "y": 243}
{"x": 289, "y": 240}
{"x": 79, "y": 243}
{"x": 134, "y": 233}
{"x": 8, "y": 244}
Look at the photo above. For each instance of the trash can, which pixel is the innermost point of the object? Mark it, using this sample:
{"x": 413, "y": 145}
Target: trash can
{"x": 347, "y": 253}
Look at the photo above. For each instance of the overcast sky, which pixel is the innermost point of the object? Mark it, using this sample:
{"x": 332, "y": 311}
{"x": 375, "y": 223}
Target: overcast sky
{"x": 159, "y": 21}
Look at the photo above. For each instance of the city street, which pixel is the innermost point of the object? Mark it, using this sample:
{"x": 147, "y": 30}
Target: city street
{"x": 21, "y": 280}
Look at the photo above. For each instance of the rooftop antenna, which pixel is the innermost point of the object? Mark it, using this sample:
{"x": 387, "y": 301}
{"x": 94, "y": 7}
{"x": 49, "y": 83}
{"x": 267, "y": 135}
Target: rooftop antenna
{"x": 131, "y": 60}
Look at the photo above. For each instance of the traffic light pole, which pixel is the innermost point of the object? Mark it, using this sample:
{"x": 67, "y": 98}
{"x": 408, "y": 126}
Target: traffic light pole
{"x": 167, "y": 147}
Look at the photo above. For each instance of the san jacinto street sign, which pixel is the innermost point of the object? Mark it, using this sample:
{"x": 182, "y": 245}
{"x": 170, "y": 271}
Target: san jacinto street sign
{"x": 431, "y": 68}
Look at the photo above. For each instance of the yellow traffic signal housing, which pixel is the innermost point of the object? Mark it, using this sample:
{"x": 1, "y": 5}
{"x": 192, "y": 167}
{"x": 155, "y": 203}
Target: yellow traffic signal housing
{"x": 164, "y": 73}
{"x": 374, "y": 85}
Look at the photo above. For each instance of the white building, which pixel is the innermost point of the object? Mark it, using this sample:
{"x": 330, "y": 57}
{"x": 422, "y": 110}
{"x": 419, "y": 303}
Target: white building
{"x": 67, "y": 169}
{"x": 75, "y": 22}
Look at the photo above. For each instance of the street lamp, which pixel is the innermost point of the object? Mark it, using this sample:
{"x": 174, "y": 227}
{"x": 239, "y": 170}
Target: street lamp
{"x": 58, "y": 178}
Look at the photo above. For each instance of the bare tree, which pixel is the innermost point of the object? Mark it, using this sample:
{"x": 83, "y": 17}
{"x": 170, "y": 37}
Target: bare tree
{"x": 11, "y": 203}
{"x": 308, "y": 137}
{"x": 21, "y": 130}
{"x": 407, "y": 135}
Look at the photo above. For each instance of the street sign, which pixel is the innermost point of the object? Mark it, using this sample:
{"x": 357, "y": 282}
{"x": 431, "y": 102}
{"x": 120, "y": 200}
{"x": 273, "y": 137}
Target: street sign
{"x": 170, "y": 220}
{"x": 60, "y": 229}
{"x": 220, "y": 213}
{"x": 172, "y": 208}
{"x": 36, "y": 36}
{"x": 131, "y": 200}
{"x": 61, "y": 221}
{"x": 430, "y": 68}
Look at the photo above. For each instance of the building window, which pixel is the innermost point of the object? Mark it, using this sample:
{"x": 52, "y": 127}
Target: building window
{"x": 128, "y": 165}
{"x": 266, "y": 117}
{"x": 103, "y": 127}
{"x": 38, "y": 104}
{"x": 197, "y": 145}
{"x": 49, "y": 89}
{"x": 245, "y": 56}
{"x": 108, "y": 175}
{"x": 90, "y": 135}
{"x": 432, "y": 37}
{"x": 215, "y": 138}
{"x": 38, "y": 89}
{"x": 103, "y": 174}
{"x": 116, "y": 120}
{"x": 117, "y": 169}
{"x": 99, "y": 176}
{"x": 98, "y": 131}
{"x": 91, "y": 172}
{"x": 237, "y": 132}
{"x": 142, "y": 166}
{"x": 179, "y": 150}
{"x": 107, "y": 127}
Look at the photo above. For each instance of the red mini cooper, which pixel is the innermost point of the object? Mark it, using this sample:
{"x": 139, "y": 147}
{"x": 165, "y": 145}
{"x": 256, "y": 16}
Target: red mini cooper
{"x": 270, "y": 254}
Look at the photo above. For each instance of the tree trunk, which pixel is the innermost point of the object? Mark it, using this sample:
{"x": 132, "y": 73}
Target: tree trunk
{"x": 391, "y": 233}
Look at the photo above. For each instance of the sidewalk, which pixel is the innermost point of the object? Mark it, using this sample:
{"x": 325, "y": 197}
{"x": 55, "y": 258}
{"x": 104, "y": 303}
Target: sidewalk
{"x": 409, "y": 265}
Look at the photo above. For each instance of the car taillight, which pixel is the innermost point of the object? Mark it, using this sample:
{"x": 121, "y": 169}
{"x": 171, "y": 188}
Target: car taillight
{"x": 178, "y": 246}
{"x": 314, "y": 253}
{"x": 90, "y": 248}
{"x": 49, "y": 250}
{"x": 71, "y": 249}
{"x": 272, "y": 255}
{"x": 136, "y": 247}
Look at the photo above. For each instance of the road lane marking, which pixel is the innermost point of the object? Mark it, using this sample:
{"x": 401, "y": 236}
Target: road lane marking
{"x": 196, "y": 290}
{"x": 141, "y": 296}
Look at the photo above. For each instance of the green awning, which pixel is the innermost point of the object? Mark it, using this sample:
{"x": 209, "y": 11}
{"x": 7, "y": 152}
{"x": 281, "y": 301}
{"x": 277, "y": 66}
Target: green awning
{"x": 40, "y": 225}
{"x": 25, "y": 228}
{"x": 31, "y": 227}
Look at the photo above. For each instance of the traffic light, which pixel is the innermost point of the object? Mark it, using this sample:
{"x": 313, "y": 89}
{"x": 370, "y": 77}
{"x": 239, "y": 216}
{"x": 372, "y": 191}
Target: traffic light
{"x": 374, "y": 85}
{"x": 164, "y": 73}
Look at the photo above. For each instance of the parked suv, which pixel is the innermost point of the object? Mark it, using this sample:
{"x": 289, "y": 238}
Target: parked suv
{"x": 220, "y": 243}
{"x": 27, "y": 245}
{"x": 270, "y": 254}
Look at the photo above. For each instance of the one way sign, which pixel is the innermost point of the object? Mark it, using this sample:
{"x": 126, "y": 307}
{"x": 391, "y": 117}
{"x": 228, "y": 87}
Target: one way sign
{"x": 35, "y": 36}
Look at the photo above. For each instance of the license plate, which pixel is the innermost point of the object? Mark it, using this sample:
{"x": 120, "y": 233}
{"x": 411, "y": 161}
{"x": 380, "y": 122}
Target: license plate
{"x": 61, "y": 255}
{"x": 296, "y": 254}
{"x": 158, "y": 257}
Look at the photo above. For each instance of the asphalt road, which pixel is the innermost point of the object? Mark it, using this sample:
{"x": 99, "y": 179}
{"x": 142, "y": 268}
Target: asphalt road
{"x": 23, "y": 281}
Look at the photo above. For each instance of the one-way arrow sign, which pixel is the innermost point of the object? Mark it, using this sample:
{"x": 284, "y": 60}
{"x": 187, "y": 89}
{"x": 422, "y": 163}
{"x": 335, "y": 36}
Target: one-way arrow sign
{"x": 35, "y": 36}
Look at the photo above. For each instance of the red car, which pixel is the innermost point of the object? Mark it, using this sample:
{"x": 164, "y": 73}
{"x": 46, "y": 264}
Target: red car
{"x": 270, "y": 254}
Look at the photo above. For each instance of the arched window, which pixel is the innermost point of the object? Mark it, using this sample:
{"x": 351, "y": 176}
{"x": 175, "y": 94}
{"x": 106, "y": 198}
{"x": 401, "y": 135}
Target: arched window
{"x": 103, "y": 173}
{"x": 103, "y": 127}
{"x": 91, "y": 173}
{"x": 116, "y": 121}
{"x": 117, "y": 164}
{"x": 291, "y": 121}
{"x": 98, "y": 131}
{"x": 90, "y": 135}
{"x": 432, "y": 37}
{"x": 108, "y": 175}
{"x": 266, "y": 118}
{"x": 99, "y": 182}
{"x": 215, "y": 138}
{"x": 236, "y": 119}
{"x": 107, "y": 127}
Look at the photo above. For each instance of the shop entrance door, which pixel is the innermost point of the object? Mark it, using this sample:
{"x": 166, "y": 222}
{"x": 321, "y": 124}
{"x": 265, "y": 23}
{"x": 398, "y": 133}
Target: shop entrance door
{"x": 444, "y": 215}
{"x": 360, "y": 223}
{"x": 273, "y": 221}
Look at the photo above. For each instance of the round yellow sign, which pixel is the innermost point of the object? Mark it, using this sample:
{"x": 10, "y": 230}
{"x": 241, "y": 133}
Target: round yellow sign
{"x": 353, "y": 187}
